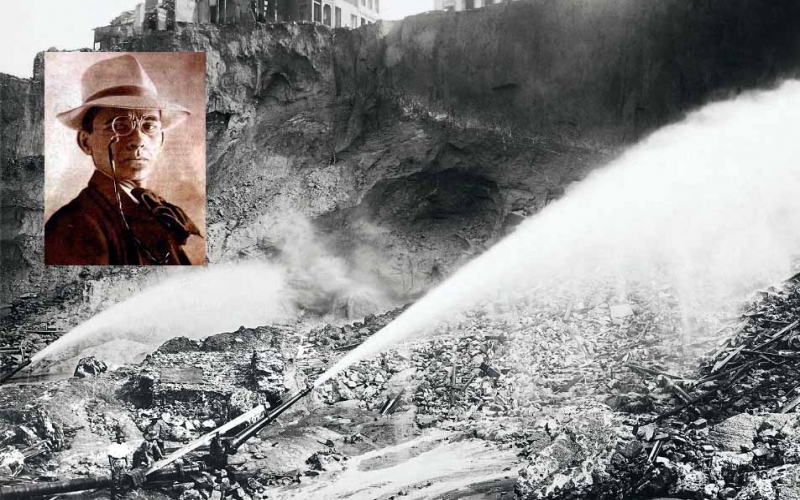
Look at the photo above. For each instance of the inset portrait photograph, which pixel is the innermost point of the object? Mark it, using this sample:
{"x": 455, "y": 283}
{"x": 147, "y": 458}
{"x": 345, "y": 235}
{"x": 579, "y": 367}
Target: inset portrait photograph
{"x": 125, "y": 160}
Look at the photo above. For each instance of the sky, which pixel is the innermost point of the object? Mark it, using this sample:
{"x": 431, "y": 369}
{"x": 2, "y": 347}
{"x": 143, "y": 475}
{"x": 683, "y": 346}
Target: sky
{"x": 30, "y": 26}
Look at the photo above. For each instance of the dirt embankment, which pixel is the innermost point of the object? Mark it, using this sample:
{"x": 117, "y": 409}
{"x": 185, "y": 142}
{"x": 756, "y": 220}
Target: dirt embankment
{"x": 413, "y": 145}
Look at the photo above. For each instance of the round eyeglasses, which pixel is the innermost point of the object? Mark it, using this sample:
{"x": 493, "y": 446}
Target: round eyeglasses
{"x": 125, "y": 125}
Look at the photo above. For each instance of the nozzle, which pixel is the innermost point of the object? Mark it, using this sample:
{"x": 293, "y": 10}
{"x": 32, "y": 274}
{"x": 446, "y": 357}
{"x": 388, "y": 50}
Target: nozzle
{"x": 251, "y": 431}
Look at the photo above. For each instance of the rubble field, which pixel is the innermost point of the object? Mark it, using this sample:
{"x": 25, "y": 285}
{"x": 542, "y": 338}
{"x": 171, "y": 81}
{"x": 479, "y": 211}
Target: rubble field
{"x": 539, "y": 397}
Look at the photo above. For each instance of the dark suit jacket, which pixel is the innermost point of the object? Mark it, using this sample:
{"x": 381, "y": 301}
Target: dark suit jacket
{"x": 89, "y": 231}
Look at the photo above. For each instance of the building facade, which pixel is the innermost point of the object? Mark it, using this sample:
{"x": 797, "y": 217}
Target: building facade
{"x": 458, "y": 5}
{"x": 161, "y": 15}
{"x": 338, "y": 13}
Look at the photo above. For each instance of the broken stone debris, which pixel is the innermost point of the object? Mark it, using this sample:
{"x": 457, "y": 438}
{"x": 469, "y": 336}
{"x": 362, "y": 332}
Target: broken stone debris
{"x": 327, "y": 461}
{"x": 218, "y": 484}
{"x": 699, "y": 443}
{"x": 216, "y": 379}
{"x": 470, "y": 376}
{"x": 267, "y": 366}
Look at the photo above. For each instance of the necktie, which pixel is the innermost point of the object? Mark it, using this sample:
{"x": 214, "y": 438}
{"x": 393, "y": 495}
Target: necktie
{"x": 170, "y": 215}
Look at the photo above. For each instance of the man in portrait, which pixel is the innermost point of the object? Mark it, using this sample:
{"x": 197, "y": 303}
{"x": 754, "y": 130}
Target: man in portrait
{"x": 115, "y": 220}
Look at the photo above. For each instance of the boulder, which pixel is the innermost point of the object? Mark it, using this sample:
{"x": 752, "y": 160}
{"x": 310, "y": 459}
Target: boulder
{"x": 758, "y": 489}
{"x": 90, "y": 367}
{"x": 327, "y": 460}
{"x": 690, "y": 482}
{"x": 580, "y": 457}
{"x": 425, "y": 421}
{"x": 267, "y": 371}
{"x": 180, "y": 344}
{"x": 178, "y": 433}
{"x": 735, "y": 434}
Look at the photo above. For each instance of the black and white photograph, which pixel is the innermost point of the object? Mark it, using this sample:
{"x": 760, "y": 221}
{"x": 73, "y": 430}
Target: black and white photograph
{"x": 400, "y": 249}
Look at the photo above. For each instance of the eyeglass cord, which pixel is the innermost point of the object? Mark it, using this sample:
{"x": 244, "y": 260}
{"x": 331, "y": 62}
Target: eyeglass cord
{"x": 136, "y": 240}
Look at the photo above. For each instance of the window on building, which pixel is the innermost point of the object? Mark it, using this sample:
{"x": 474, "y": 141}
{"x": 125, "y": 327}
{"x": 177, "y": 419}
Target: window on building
{"x": 364, "y": 3}
{"x": 261, "y": 10}
{"x": 353, "y": 21}
{"x": 338, "y": 17}
{"x": 317, "y": 12}
{"x": 326, "y": 15}
{"x": 213, "y": 11}
{"x": 363, "y": 21}
{"x": 223, "y": 11}
{"x": 371, "y": 5}
{"x": 377, "y": 5}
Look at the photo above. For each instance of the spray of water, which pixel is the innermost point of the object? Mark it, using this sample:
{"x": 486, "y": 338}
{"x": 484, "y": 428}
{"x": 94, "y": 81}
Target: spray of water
{"x": 709, "y": 205}
{"x": 321, "y": 281}
{"x": 194, "y": 304}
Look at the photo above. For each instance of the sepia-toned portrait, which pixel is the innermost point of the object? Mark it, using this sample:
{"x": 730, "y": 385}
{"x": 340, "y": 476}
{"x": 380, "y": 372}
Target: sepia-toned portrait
{"x": 124, "y": 158}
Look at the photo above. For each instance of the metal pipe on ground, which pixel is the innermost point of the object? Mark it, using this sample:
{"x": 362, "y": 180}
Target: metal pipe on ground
{"x": 251, "y": 431}
{"x": 5, "y": 378}
{"x": 31, "y": 490}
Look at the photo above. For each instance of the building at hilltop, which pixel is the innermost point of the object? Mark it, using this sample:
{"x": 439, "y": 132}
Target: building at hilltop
{"x": 164, "y": 15}
{"x": 458, "y": 5}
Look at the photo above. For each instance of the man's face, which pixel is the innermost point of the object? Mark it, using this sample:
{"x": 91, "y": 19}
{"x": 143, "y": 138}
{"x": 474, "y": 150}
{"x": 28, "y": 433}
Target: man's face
{"x": 135, "y": 154}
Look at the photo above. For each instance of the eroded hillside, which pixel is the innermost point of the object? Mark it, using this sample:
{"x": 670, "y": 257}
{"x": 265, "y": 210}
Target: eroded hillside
{"x": 411, "y": 145}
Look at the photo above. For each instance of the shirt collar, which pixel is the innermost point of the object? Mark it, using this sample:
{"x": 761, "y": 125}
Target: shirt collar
{"x": 127, "y": 187}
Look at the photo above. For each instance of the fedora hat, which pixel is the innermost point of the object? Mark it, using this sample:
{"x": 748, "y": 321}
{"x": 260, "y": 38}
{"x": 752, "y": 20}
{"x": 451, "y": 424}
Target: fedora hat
{"x": 121, "y": 82}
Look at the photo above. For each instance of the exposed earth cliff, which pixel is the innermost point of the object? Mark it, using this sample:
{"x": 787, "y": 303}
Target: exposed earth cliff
{"x": 411, "y": 145}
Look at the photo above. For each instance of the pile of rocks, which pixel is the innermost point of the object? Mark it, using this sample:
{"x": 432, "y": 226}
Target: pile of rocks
{"x": 440, "y": 377}
{"x": 460, "y": 378}
{"x": 215, "y": 379}
{"x": 502, "y": 371}
{"x": 727, "y": 459}
{"x": 366, "y": 381}
{"x": 175, "y": 427}
{"x": 744, "y": 457}
{"x": 499, "y": 373}
{"x": 574, "y": 459}
{"x": 755, "y": 369}
{"x": 29, "y": 443}
{"x": 545, "y": 352}
{"x": 350, "y": 335}
{"x": 217, "y": 485}
{"x": 696, "y": 441}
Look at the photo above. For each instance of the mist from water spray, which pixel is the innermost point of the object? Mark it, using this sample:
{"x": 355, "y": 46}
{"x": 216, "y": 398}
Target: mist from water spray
{"x": 709, "y": 206}
{"x": 197, "y": 303}
{"x": 320, "y": 280}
